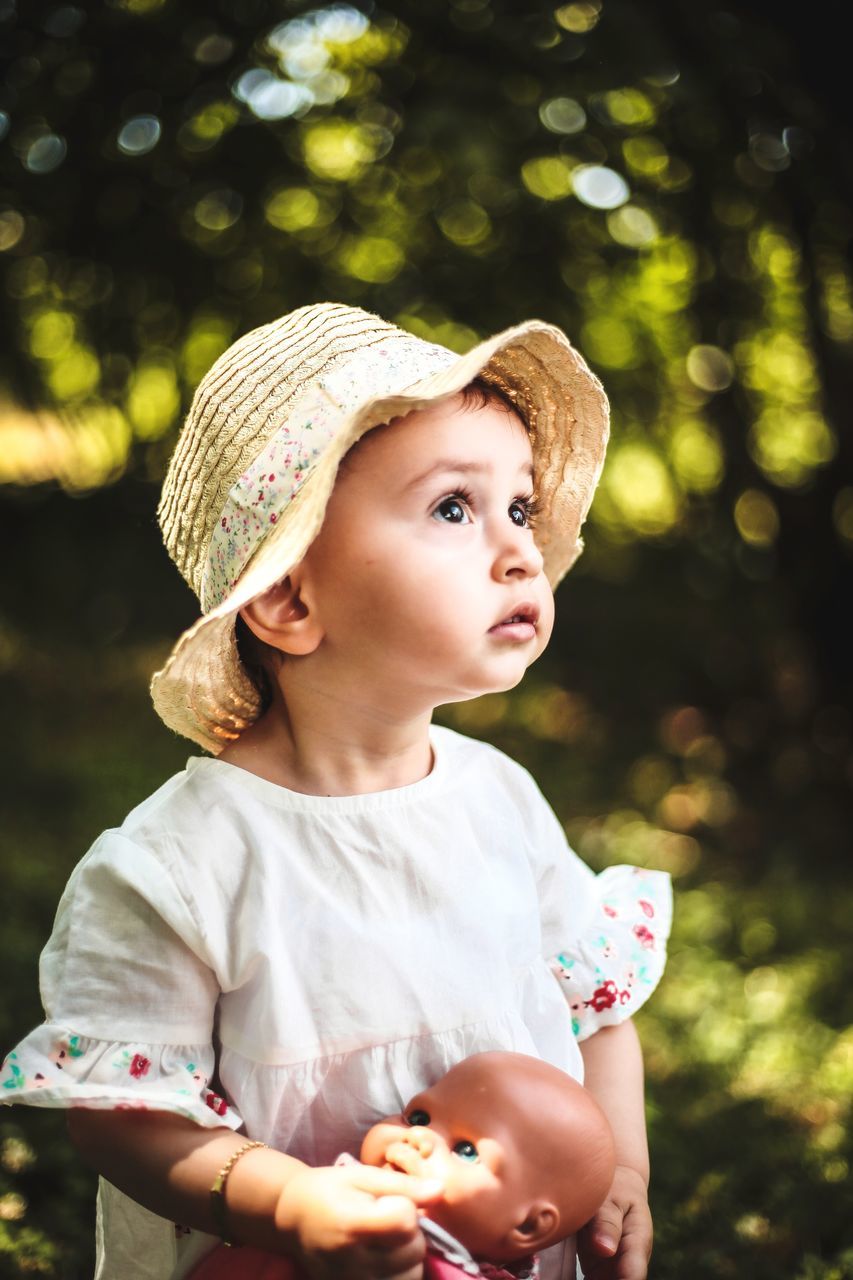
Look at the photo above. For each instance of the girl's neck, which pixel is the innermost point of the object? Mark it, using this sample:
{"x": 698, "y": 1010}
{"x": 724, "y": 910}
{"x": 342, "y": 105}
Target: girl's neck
{"x": 321, "y": 745}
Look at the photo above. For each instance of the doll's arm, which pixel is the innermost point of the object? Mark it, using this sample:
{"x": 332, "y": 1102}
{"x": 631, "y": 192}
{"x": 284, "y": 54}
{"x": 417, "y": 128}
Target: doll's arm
{"x": 617, "y": 1243}
{"x": 344, "y": 1222}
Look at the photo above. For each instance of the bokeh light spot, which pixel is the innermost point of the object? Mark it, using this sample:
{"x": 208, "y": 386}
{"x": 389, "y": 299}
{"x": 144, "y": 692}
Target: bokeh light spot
{"x": 213, "y": 49}
{"x": 756, "y": 518}
{"x": 599, "y": 187}
{"x": 293, "y": 209}
{"x": 153, "y": 399}
{"x": 563, "y": 115}
{"x": 709, "y": 367}
{"x": 609, "y": 341}
{"x": 270, "y": 98}
{"x": 206, "y": 127}
{"x": 629, "y": 108}
{"x": 646, "y": 155}
{"x": 578, "y": 18}
{"x": 640, "y": 488}
{"x": 696, "y": 455}
{"x": 632, "y": 227}
{"x": 139, "y": 135}
{"x": 219, "y": 210}
{"x": 465, "y": 223}
{"x": 52, "y": 334}
{"x": 12, "y": 228}
{"x": 374, "y": 259}
{"x": 769, "y": 152}
{"x": 340, "y": 149}
{"x": 789, "y": 445}
{"x": 45, "y": 153}
{"x": 74, "y": 374}
{"x": 208, "y": 336}
{"x": 549, "y": 177}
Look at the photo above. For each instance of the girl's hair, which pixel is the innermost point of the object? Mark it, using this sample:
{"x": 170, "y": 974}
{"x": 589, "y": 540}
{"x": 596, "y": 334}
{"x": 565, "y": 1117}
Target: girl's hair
{"x": 479, "y": 393}
{"x": 261, "y": 659}
{"x": 257, "y": 657}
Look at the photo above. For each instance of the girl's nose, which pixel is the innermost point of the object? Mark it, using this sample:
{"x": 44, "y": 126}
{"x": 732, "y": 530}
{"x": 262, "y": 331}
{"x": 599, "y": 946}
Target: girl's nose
{"x": 518, "y": 556}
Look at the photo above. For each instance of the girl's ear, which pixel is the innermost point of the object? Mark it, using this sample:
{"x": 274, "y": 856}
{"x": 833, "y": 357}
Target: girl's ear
{"x": 282, "y": 619}
{"x": 538, "y": 1229}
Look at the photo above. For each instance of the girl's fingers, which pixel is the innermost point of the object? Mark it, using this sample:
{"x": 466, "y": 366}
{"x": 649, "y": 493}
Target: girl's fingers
{"x": 403, "y": 1260}
{"x": 635, "y": 1247}
{"x": 387, "y": 1182}
{"x": 628, "y": 1258}
{"x": 394, "y": 1216}
{"x": 602, "y": 1234}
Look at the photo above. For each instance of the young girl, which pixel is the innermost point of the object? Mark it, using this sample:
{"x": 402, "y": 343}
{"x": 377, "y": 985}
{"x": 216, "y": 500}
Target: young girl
{"x": 293, "y": 937}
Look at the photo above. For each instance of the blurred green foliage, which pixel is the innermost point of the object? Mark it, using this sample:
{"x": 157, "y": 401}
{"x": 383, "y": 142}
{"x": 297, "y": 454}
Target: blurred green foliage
{"x": 657, "y": 180}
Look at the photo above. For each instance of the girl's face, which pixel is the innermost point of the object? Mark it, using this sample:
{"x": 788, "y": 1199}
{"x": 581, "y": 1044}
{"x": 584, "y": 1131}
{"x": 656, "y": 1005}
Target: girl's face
{"x": 425, "y": 576}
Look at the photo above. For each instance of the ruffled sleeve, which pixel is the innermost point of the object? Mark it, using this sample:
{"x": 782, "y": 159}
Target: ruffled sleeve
{"x": 614, "y": 965}
{"x": 604, "y": 936}
{"x": 55, "y": 1067}
{"x": 130, "y": 988}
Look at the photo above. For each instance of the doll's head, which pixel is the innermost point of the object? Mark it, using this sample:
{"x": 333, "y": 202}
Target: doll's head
{"x": 268, "y": 445}
{"x": 525, "y": 1153}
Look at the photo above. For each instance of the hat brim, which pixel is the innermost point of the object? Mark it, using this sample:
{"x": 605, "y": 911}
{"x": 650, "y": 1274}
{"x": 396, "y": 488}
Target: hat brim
{"x": 204, "y": 692}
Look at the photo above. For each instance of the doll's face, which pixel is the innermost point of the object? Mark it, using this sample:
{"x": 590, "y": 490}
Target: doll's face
{"x": 453, "y": 1132}
{"x": 524, "y": 1153}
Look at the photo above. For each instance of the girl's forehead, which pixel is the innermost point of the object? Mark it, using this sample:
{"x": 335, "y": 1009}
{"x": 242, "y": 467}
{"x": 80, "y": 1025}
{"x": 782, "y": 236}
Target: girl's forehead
{"x": 449, "y": 430}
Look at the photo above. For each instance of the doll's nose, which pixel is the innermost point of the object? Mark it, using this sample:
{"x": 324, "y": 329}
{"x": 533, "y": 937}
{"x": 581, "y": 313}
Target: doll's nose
{"x": 421, "y": 1139}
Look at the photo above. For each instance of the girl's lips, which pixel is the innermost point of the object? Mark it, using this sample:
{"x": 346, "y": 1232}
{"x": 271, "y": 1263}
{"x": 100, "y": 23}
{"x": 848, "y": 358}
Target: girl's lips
{"x": 518, "y": 625}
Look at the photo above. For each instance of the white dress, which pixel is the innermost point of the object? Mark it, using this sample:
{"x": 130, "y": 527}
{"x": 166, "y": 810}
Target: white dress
{"x": 298, "y": 966}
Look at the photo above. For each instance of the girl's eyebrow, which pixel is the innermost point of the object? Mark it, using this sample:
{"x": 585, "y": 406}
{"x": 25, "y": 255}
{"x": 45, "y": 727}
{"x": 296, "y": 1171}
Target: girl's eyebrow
{"x": 462, "y": 467}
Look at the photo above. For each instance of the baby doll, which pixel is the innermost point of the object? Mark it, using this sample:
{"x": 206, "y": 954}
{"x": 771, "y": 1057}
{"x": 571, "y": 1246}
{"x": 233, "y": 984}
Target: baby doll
{"x": 524, "y": 1154}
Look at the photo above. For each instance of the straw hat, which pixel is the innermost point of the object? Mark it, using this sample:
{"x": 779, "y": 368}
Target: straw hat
{"x": 255, "y": 463}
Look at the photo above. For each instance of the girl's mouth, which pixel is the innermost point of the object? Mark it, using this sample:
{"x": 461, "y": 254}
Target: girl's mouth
{"x": 518, "y": 625}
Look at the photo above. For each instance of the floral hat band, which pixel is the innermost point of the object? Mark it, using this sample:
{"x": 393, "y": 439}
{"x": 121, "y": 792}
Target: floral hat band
{"x": 271, "y": 482}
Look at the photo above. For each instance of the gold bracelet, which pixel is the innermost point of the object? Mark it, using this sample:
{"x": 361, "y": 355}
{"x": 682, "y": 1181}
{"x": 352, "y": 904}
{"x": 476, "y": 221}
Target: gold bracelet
{"x": 217, "y": 1191}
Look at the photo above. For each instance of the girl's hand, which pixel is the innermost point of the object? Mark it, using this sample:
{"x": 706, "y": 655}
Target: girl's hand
{"x": 353, "y": 1222}
{"x": 617, "y": 1243}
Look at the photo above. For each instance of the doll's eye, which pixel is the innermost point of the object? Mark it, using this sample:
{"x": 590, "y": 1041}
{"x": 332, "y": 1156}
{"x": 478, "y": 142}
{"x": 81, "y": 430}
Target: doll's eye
{"x": 466, "y": 1151}
{"x": 419, "y": 1118}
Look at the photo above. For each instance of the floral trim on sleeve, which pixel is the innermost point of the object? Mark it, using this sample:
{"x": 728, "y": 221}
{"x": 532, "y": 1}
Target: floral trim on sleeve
{"x": 53, "y": 1067}
{"x": 613, "y": 969}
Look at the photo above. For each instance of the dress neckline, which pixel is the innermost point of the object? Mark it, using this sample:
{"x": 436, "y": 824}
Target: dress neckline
{"x": 273, "y": 793}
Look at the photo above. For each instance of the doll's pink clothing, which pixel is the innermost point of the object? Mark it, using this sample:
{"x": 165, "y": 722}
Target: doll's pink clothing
{"x": 245, "y": 1263}
{"x": 299, "y": 966}
{"x": 446, "y": 1259}
{"x": 252, "y": 1264}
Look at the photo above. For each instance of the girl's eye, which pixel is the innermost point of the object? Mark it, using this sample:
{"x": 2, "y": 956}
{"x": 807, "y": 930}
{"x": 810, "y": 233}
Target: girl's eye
{"x": 523, "y": 512}
{"x": 466, "y": 1151}
{"x": 451, "y": 511}
{"x": 420, "y": 1118}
